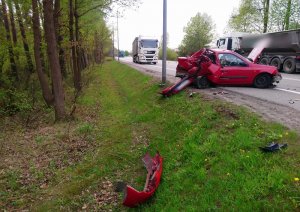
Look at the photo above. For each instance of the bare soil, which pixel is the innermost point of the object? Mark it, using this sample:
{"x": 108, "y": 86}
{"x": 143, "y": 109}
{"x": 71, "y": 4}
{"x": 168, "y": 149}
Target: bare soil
{"x": 268, "y": 111}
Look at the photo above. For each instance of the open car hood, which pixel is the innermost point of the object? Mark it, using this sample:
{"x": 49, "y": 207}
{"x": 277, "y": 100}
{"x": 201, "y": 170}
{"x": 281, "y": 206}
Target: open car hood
{"x": 259, "y": 47}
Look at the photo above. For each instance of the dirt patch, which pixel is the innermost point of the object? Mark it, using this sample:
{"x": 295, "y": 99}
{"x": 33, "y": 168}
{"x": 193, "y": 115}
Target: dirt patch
{"x": 268, "y": 111}
{"x": 226, "y": 112}
{"x": 140, "y": 136}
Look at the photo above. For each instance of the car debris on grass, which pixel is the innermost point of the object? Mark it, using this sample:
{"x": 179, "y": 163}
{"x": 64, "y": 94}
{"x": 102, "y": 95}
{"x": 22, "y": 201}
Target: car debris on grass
{"x": 153, "y": 165}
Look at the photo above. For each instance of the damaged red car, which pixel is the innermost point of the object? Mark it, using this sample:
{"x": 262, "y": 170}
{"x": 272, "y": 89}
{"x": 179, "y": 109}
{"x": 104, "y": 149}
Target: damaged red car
{"x": 227, "y": 68}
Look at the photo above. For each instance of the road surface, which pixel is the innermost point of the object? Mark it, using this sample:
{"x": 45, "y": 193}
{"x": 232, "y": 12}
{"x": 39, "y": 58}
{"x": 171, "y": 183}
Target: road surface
{"x": 279, "y": 104}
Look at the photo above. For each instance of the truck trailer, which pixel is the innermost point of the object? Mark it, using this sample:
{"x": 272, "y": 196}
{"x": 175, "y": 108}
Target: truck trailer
{"x": 283, "y": 50}
{"x": 145, "y": 50}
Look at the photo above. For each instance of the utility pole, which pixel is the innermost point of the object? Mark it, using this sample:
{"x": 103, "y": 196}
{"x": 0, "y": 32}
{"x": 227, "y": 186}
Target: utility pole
{"x": 118, "y": 34}
{"x": 113, "y": 43}
{"x": 164, "y": 53}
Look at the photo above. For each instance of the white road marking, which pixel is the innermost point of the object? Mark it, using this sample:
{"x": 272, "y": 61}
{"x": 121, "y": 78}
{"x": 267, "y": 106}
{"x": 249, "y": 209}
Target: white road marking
{"x": 281, "y": 89}
{"x": 291, "y": 79}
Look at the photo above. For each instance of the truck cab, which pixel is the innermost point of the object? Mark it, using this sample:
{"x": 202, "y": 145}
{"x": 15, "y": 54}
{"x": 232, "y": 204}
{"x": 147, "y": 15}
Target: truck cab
{"x": 145, "y": 50}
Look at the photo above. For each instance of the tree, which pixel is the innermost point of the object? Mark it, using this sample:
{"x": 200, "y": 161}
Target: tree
{"x": 12, "y": 22}
{"x": 14, "y": 72}
{"x": 287, "y": 15}
{"x": 198, "y": 33}
{"x": 24, "y": 39}
{"x": 261, "y": 16}
{"x": 58, "y": 89}
{"x": 76, "y": 72}
{"x": 48, "y": 97}
{"x": 251, "y": 16}
{"x": 266, "y": 15}
{"x": 59, "y": 36}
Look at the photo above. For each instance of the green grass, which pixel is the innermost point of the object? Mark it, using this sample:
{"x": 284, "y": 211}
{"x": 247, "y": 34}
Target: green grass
{"x": 210, "y": 150}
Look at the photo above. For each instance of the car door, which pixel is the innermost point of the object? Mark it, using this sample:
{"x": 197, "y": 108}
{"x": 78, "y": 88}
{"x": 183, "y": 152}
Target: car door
{"x": 234, "y": 70}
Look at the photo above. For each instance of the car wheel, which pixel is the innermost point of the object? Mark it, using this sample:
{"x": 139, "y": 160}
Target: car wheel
{"x": 276, "y": 62}
{"x": 289, "y": 65}
{"x": 154, "y": 63}
{"x": 262, "y": 81}
{"x": 264, "y": 61}
{"x": 202, "y": 82}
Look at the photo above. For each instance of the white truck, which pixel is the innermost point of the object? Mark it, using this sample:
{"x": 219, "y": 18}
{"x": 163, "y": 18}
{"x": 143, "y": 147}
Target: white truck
{"x": 145, "y": 50}
{"x": 283, "y": 51}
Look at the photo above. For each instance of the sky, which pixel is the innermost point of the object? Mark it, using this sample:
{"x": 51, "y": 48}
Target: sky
{"x": 147, "y": 19}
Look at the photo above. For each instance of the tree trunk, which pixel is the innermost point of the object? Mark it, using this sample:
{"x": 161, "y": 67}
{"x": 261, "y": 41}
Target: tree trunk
{"x": 12, "y": 23}
{"x": 287, "y": 15}
{"x": 266, "y": 15}
{"x": 48, "y": 97}
{"x": 24, "y": 39}
{"x": 78, "y": 48}
{"x": 58, "y": 89}
{"x": 59, "y": 37}
{"x": 76, "y": 72}
{"x": 14, "y": 72}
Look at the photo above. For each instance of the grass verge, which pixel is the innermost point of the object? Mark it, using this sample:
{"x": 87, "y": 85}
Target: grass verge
{"x": 210, "y": 150}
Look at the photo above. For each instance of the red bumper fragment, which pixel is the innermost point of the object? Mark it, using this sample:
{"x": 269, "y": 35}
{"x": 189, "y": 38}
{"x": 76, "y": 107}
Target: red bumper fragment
{"x": 133, "y": 197}
{"x": 174, "y": 89}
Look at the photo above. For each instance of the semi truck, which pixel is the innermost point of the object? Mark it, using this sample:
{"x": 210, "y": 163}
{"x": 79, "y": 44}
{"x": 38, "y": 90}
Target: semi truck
{"x": 145, "y": 50}
{"x": 283, "y": 50}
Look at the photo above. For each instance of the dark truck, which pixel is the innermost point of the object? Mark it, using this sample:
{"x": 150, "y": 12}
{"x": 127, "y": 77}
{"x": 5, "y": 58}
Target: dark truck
{"x": 283, "y": 50}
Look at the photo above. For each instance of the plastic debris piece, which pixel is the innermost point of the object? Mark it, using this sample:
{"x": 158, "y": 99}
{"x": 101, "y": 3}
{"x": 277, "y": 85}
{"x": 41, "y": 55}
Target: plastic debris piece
{"x": 273, "y": 147}
{"x": 132, "y": 197}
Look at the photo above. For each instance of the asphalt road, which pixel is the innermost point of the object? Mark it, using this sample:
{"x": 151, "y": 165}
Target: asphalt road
{"x": 286, "y": 93}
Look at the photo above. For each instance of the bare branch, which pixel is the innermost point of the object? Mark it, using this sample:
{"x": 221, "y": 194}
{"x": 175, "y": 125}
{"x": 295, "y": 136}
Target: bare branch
{"x": 93, "y": 8}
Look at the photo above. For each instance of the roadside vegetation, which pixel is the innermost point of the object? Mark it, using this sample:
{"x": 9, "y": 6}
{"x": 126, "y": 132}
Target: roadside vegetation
{"x": 171, "y": 54}
{"x": 210, "y": 149}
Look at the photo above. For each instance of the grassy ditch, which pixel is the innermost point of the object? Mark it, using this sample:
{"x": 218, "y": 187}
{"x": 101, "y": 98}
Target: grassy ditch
{"x": 210, "y": 149}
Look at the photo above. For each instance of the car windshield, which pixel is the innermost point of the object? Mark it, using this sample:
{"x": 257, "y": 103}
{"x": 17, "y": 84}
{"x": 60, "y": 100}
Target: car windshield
{"x": 149, "y": 43}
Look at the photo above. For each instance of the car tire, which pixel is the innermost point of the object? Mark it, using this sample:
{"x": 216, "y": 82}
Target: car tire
{"x": 202, "y": 82}
{"x": 262, "y": 81}
{"x": 289, "y": 66}
{"x": 264, "y": 61}
{"x": 154, "y": 63}
{"x": 276, "y": 62}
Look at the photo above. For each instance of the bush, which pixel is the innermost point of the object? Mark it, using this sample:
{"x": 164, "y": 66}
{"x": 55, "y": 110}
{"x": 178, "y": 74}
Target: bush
{"x": 13, "y": 101}
{"x": 171, "y": 54}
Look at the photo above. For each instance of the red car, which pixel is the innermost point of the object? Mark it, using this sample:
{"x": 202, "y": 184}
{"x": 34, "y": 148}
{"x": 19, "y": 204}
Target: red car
{"x": 229, "y": 68}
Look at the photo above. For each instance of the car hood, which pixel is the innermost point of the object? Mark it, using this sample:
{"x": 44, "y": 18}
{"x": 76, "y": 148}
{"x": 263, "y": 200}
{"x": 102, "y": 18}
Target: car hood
{"x": 259, "y": 47}
{"x": 267, "y": 68}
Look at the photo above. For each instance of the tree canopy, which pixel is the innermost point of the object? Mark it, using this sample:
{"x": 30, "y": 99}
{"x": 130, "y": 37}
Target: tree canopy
{"x": 198, "y": 33}
{"x": 258, "y": 16}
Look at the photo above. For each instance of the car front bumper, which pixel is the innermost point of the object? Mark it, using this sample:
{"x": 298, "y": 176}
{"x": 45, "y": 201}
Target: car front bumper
{"x": 277, "y": 78}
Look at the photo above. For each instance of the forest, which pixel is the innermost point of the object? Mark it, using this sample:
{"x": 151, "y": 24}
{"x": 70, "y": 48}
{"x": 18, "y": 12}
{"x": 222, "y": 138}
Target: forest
{"x": 45, "y": 48}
